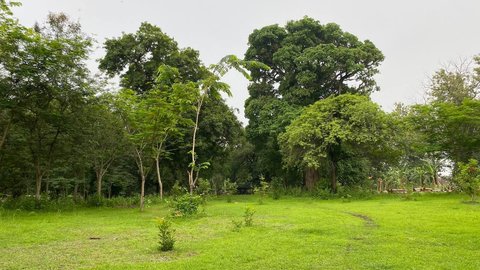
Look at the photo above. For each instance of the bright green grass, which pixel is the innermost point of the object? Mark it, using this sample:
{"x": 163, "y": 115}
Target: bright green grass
{"x": 433, "y": 232}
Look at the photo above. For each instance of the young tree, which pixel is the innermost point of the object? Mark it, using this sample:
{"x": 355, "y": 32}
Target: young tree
{"x": 133, "y": 111}
{"x": 309, "y": 61}
{"x": 212, "y": 87}
{"x": 168, "y": 104}
{"x": 105, "y": 134}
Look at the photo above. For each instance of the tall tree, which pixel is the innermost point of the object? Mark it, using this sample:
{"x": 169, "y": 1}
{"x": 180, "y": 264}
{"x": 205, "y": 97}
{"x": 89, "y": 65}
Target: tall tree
{"x": 13, "y": 39}
{"x": 106, "y": 139}
{"x": 168, "y": 104}
{"x": 309, "y": 61}
{"x": 211, "y": 87}
{"x": 456, "y": 82}
{"x": 135, "y": 57}
{"x": 133, "y": 111}
{"x": 47, "y": 82}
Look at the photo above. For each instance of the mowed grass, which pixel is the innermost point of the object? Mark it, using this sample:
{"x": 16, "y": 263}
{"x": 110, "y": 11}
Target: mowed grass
{"x": 431, "y": 232}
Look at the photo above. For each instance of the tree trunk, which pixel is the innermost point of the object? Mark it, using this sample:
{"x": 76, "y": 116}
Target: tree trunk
{"x": 435, "y": 178}
{"x": 47, "y": 185}
{"x": 99, "y": 183}
{"x": 160, "y": 185}
{"x": 142, "y": 193}
{"x": 191, "y": 180}
{"x": 311, "y": 178}
{"x": 38, "y": 181}
{"x": 84, "y": 188}
{"x": 75, "y": 191}
{"x": 334, "y": 177}
{"x": 3, "y": 138}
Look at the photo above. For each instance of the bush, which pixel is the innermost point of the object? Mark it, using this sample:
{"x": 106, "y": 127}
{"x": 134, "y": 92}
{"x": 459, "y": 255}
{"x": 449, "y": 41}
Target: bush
{"x": 123, "y": 202}
{"x": 165, "y": 233}
{"x": 278, "y": 188}
{"x": 248, "y": 216}
{"x": 295, "y": 191}
{"x": 262, "y": 190}
{"x": 229, "y": 188}
{"x": 28, "y": 203}
{"x": 94, "y": 201}
{"x": 356, "y": 192}
{"x": 237, "y": 225}
{"x": 468, "y": 178}
{"x": 186, "y": 205}
{"x": 177, "y": 190}
{"x": 203, "y": 187}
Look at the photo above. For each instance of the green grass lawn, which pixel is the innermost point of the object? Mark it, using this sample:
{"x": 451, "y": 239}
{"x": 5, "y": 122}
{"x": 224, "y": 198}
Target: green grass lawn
{"x": 431, "y": 232}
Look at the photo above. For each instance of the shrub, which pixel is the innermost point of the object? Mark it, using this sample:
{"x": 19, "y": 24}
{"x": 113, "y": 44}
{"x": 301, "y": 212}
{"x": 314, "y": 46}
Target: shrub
{"x": 468, "y": 178}
{"x": 237, "y": 225}
{"x": 262, "y": 190}
{"x": 186, "y": 205}
{"x": 123, "y": 202}
{"x": 165, "y": 233}
{"x": 95, "y": 201}
{"x": 177, "y": 190}
{"x": 295, "y": 191}
{"x": 27, "y": 203}
{"x": 277, "y": 186}
{"x": 248, "y": 216}
{"x": 229, "y": 188}
{"x": 203, "y": 187}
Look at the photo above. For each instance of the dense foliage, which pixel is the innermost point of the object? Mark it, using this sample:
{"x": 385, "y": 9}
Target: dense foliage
{"x": 66, "y": 137}
{"x": 308, "y": 61}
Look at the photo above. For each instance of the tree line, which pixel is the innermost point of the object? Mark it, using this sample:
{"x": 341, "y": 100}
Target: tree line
{"x": 65, "y": 131}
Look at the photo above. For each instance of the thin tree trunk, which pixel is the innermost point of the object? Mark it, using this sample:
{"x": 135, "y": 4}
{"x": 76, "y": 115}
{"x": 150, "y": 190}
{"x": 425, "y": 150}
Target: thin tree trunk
{"x": 160, "y": 185}
{"x": 4, "y": 134}
{"x": 143, "y": 176}
{"x": 157, "y": 164}
{"x": 191, "y": 180}
{"x": 75, "y": 191}
{"x": 99, "y": 182}
{"x": 84, "y": 188}
{"x": 334, "y": 177}
{"x": 47, "y": 185}
{"x": 38, "y": 181}
{"x": 142, "y": 193}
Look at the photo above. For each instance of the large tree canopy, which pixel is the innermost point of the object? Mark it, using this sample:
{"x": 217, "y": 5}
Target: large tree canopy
{"x": 332, "y": 130}
{"x": 308, "y": 61}
{"x": 135, "y": 57}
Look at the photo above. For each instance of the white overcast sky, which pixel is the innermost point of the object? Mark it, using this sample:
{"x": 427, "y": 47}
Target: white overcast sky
{"x": 416, "y": 37}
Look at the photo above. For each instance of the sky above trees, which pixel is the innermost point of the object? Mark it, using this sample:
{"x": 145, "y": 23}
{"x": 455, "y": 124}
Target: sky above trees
{"x": 416, "y": 37}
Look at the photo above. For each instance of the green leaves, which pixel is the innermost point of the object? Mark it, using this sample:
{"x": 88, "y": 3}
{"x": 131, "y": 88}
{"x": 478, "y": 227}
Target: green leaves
{"x": 468, "y": 178}
{"x": 311, "y": 61}
{"x": 334, "y": 123}
{"x": 136, "y": 57}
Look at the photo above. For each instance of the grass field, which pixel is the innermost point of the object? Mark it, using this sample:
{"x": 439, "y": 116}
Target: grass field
{"x": 431, "y": 232}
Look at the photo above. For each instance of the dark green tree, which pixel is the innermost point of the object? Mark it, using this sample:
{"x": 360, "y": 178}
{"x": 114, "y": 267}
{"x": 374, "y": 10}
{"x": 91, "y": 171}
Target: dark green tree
{"x": 308, "y": 61}
{"x": 135, "y": 57}
{"x": 46, "y": 82}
